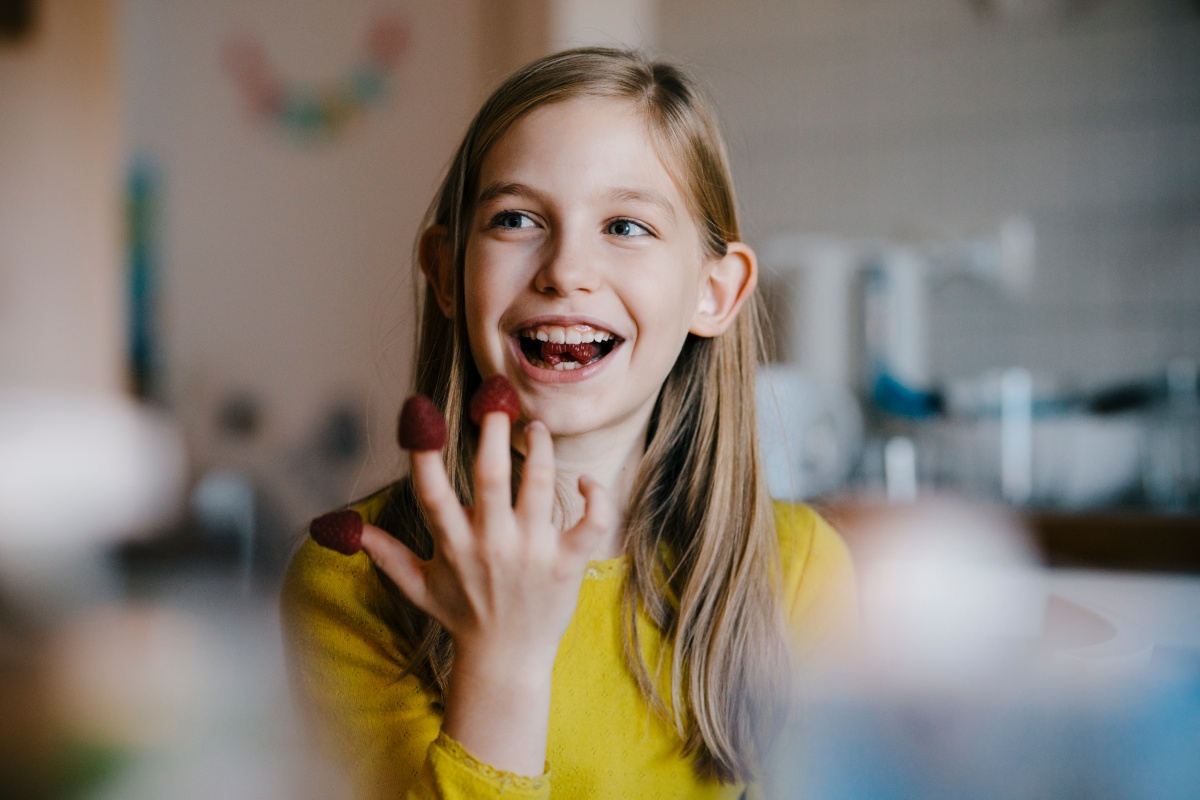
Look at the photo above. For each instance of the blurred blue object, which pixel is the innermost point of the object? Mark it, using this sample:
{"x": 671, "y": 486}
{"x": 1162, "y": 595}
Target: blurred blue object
{"x": 143, "y": 199}
{"x": 894, "y": 397}
{"x": 1126, "y": 741}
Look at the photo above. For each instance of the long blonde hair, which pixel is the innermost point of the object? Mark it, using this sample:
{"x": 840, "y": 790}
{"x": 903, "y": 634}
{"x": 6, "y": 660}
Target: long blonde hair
{"x": 699, "y": 533}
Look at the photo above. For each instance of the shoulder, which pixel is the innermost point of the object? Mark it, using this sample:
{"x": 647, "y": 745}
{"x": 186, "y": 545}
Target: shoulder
{"x": 347, "y": 663}
{"x": 807, "y": 542}
{"x": 325, "y": 593}
{"x": 373, "y": 507}
{"x": 817, "y": 572}
{"x": 313, "y": 565}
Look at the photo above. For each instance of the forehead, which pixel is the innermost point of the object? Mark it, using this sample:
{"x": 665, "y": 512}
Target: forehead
{"x": 581, "y": 144}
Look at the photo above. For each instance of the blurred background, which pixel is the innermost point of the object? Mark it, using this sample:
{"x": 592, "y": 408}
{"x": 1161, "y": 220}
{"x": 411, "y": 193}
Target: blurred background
{"x": 979, "y": 228}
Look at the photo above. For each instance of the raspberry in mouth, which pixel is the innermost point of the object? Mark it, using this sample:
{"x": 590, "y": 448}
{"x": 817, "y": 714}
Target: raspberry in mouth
{"x": 558, "y": 348}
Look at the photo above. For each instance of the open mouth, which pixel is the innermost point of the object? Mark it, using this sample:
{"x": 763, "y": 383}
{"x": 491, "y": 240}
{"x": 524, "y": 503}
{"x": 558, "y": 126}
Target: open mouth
{"x": 565, "y": 348}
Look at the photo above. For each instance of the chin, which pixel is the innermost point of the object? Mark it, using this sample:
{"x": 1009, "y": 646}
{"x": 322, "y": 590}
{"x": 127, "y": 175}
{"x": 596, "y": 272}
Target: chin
{"x": 564, "y": 421}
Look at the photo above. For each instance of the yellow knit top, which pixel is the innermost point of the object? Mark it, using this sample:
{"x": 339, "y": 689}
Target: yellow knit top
{"x": 604, "y": 741}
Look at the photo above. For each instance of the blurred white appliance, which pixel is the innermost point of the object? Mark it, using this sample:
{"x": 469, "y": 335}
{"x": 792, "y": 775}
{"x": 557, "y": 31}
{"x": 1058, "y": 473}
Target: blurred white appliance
{"x": 858, "y": 307}
{"x": 79, "y": 470}
{"x": 810, "y": 432}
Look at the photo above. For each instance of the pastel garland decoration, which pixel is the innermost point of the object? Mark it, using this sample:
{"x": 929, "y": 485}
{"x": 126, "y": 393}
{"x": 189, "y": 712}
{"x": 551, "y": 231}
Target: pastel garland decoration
{"x": 317, "y": 112}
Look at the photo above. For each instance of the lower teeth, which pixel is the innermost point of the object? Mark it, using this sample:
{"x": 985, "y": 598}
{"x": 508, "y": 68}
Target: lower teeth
{"x": 562, "y": 365}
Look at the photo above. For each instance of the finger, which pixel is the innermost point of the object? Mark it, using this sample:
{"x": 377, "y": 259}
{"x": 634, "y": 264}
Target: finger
{"x": 398, "y": 563}
{"x": 437, "y": 497}
{"x": 493, "y": 470}
{"x": 599, "y": 518}
{"x": 535, "y": 500}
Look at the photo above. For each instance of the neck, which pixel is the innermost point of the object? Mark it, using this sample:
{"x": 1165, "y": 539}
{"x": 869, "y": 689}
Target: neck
{"x": 611, "y": 457}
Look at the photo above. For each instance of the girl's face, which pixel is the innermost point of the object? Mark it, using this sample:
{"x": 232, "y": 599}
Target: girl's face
{"x": 584, "y": 267}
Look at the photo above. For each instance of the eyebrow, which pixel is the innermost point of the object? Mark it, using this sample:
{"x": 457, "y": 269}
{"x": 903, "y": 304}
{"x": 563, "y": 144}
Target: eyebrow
{"x": 619, "y": 194}
{"x": 646, "y": 196}
{"x": 500, "y": 188}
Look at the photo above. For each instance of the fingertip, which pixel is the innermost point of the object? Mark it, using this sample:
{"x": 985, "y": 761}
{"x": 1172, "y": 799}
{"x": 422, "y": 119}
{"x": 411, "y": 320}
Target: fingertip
{"x": 495, "y": 431}
{"x": 426, "y": 458}
{"x": 599, "y": 508}
{"x": 372, "y": 537}
{"x": 340, "y": 531}
{"x": 380, "y": 546}
{"x": 426, "y": 467}
{"x": 537, "y": 438}
{"x": 421, "y": 425}
{"x": 396, "y": 561}
{"x": 497, "y": 418}
{"x": 430, "y": 473}
{"x": 587, "y": 488}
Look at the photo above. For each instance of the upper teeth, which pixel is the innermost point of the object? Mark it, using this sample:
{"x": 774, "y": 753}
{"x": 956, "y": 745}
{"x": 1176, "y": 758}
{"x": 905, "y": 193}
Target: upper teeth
{"x": 577, "y": 334}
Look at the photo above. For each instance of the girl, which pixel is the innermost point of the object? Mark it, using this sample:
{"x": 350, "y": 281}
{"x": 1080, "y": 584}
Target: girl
{"x": 603, "y": 604}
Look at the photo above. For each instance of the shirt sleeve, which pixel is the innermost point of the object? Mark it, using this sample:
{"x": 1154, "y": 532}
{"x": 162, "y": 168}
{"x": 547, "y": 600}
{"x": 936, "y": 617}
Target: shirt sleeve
{"x": 346, "y": 664}
{"x": 820, "y": 594}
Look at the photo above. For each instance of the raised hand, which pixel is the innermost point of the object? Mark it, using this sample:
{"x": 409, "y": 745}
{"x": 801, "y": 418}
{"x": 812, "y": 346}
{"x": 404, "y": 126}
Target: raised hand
{"x": 504, "y": 581}
{"x": 500, "y": 573}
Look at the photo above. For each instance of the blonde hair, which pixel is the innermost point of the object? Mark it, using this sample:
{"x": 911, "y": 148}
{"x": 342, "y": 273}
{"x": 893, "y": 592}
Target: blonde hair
{"x": 700, "y": 531}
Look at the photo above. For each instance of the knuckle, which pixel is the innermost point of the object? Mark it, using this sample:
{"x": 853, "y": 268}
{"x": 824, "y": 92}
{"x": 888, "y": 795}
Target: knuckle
{"x": 442, "y": 503}
{"x": 492, "y": 476}
{"x": 430, "y": 490}
{"x": 444, "y": 525}
{"x": 496, "y": 550}
{"x": 452, "y": 557}
{"x": 538, "y": 475}
{"x": 386, "y": 562}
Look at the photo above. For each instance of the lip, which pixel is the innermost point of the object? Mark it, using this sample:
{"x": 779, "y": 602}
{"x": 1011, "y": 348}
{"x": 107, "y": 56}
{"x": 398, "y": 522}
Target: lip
{"x": 552, "y": 376}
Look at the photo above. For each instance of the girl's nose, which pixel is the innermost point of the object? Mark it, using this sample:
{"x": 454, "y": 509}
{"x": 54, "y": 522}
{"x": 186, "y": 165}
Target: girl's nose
{"x": 568, "y": 267}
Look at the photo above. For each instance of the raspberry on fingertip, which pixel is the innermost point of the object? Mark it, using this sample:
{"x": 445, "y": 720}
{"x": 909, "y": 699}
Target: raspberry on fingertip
{"x": 422, "y": 426}
{"x": 338, "y": 530}
{"x": 495, "y": 394}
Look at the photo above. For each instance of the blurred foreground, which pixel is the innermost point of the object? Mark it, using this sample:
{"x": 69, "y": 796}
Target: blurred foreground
{"x": 133, "y": 666}
{"x": 979, "y": 673}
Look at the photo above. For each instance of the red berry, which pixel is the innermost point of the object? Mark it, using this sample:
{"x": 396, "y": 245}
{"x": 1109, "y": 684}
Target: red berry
{"x": 422, "y": 426}
{"x": 338, "y": 530}
{"x": 495, "y": 394}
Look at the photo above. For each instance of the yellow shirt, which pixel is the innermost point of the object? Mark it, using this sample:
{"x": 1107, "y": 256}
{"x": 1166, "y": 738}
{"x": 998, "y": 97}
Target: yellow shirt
{"x": 604, "y": 741}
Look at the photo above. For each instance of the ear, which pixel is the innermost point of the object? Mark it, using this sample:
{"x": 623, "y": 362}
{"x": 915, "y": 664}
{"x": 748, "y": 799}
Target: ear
{"x": 436, "y": 261}
{"x": 729, "y": 282}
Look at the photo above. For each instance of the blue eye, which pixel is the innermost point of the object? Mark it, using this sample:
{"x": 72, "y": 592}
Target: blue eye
{"x": 511, "y": 220}
{"x": 626, "y": 227}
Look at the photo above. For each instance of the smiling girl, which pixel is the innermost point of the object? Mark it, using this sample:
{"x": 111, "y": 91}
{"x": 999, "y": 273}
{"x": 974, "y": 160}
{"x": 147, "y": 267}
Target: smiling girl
{"x": 602, "y": 601}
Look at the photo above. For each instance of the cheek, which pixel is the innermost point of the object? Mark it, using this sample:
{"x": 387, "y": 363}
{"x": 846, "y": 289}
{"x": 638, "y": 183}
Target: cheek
{"x": 478, "y": 322}
{"x": 479, "y": 275}
{"x": 681, "y": 287}
{"x": 476, "y": 309}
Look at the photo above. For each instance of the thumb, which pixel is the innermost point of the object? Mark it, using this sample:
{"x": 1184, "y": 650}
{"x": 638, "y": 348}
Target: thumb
{"x": 398, "y": 563}
{"x": 599, "y": 517}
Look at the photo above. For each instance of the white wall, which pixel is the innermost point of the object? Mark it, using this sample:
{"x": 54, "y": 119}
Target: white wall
{"x": 286, "y": 265}
{"x": 922, "y": 117}
{"x": 61, "y": 289}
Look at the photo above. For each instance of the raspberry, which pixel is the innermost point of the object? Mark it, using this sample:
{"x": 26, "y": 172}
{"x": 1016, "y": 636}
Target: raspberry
{"x": 495, "y": 394}
{"x": 557, "y": 352}
{"x": 422, "y": 426}
{"x": 338, "y": 530}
